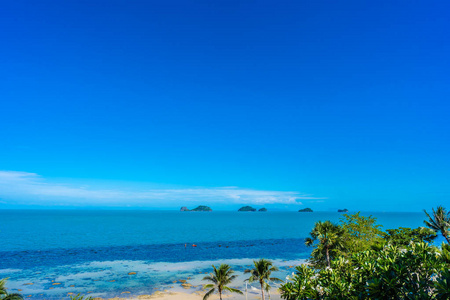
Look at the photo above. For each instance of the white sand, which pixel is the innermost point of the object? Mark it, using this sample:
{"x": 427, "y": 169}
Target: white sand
{"x": 199, "y": 296}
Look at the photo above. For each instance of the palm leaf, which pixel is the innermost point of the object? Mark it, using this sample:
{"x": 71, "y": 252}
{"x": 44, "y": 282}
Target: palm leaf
{"x": 13, "y": 297}
{"x": 232, "y": 290}
{"x": 209, "y": 293}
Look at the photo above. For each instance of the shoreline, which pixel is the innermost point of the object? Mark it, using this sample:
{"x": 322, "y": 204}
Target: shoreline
{"x": 138, "y": 280}
{"x": 198, "y": 295}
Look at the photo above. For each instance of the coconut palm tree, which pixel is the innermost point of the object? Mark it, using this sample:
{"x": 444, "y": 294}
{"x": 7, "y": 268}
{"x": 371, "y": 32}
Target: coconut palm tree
{"x": 439, "y": 222}
{"x": 222, "y": 276}
{"x": 330, "y": 237}
{"x": 4, "y": 295}
{"x": 261, "y": 273}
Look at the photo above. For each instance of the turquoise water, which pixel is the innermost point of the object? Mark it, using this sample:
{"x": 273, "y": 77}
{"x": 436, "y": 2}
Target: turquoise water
{"x": 41, "y": 230}
{"x": 93, "y": 251}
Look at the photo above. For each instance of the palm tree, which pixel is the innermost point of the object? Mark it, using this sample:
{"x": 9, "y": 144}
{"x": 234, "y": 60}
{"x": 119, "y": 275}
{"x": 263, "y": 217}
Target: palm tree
{"x": 80, "y": 297}
{"x": 4, "y": 295}
{"x": 439, "y": 222}
{"x": 261, "y": 273}
{"x": 220, "y": 278}
{"x": 330, "y": 237}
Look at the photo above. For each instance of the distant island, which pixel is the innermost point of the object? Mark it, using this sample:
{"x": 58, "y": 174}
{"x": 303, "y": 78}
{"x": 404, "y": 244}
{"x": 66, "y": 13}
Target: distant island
{"x": 198, "y": 208}
{"x": 306, "y": 210}
{"x": 343, "y": 210}
{"x": 262, "y": 209}
{"x": 247, "y": 208}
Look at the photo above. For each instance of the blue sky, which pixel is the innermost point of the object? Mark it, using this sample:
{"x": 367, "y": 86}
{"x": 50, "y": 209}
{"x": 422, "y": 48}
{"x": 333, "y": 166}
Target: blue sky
{"x": 288, "y": 104}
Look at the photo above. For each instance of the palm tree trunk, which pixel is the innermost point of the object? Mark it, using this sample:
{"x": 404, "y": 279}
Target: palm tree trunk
{"x": 262, "y": 290}
{"x": 446, "y": 236}
{"x": 328, "y": 257}
{"x": 220, "y": 294}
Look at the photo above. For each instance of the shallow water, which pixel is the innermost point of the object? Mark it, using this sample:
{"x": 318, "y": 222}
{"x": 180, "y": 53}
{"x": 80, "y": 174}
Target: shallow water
{"x": 111, "y": 278}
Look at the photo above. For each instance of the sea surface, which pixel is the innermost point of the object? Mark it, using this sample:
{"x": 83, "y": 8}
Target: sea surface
{"x": 52, "y": 253}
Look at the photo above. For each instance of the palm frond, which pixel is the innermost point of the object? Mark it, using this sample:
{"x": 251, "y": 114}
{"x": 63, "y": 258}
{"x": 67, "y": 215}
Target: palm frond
{"x": 208, "y": 286}
{"x": 439, "y": 221}
{"x": 80, "y": 297}
{"x": 13, "y": 297}
{"x": 2, "y": 286}
{"x": 232, "y": 290}
{"x": 233, "y": 277}
{"x": 209, "y": 293}
{"x": 6, "y": 295}
{"x": 210, "y": 278}
{"x": 309, "y": 241}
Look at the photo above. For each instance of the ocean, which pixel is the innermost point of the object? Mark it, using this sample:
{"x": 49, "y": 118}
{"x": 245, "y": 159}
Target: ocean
{"x": 106, "y": 253}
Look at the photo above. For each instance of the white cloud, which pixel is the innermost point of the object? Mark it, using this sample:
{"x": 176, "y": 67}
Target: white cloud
{"x": 18, "y": 188}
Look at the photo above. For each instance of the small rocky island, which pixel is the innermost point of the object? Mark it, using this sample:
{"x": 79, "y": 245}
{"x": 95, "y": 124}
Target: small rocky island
{"x": 343, "y": 210}
{"x": 262, "y": 209}
{"x": 306, "y": 210}
{"x": 247, "y": 208}
{"x": 198, "y": 208}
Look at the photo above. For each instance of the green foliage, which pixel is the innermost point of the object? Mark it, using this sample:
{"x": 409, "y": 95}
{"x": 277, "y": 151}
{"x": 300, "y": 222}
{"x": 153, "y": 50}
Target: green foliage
{"x": 445, "y": 252}
{"x": 416, "y": 271}
{"x": 442, "y": 285}
{"x": 301, "y": 286}
{"x": 361, "y": 233}
{"x": 4, "y": 295}
{"x": 403, "y": 236}
{"x": 328, "y": 240}
{"x": 371, "y": 264}
{"x": 439, "y": 222}
{"x": 306, "y": 210}
{"x": 221, "y": 277}
{"x": 247, "y": 208}
{"x": 261, "y": 273}
{"x": 202, "y": 208}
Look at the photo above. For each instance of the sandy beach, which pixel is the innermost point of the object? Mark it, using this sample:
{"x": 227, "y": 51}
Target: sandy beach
{"x": 199, "y": 296}
{"x": 175, "y": 294}
{"x": 187, "y": 291}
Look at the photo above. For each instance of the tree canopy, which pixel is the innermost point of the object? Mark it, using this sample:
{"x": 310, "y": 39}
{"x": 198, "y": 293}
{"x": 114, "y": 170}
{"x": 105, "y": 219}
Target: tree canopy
{"x": 367, "y": 263}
